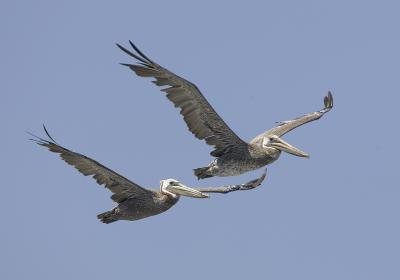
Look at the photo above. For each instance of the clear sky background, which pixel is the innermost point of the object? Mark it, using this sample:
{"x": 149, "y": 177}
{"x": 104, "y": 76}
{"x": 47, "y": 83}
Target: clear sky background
{"x": 333, "y": 216}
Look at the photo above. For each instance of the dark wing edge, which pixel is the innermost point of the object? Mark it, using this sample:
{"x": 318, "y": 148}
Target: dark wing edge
{"x": 286, "y": 126}
{"x": 119, "y": 185}
{"x": 202, "y": 120}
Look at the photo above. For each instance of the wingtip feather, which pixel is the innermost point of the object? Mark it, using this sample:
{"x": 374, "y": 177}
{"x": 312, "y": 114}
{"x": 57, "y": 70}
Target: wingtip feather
{"x": 128, "y": 52}
{"x": 140, "y": 52}
{"x": 328, "y": 100}
{"x": 48, "y": 134}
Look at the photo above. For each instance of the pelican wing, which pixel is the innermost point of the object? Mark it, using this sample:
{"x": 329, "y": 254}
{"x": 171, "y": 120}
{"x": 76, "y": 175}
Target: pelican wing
{"x": 286, "y": 126}
{"x": 200, "y": 117}
{"x": 119, "y": 185}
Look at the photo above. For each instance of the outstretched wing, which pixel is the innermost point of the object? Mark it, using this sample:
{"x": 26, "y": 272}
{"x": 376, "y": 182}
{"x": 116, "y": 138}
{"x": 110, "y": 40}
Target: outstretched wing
{"x": 286, "y": 126}
{"x": 119, "y": 185}
{"x": 200, "y": 117}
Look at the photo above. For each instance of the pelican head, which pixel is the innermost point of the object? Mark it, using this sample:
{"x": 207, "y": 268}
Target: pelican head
{"x": 273, "y": 141}
{"x": 175, "y": 188}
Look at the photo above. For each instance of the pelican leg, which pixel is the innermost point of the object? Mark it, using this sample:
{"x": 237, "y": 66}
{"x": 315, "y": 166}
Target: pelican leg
{"x": 240, "y": 187}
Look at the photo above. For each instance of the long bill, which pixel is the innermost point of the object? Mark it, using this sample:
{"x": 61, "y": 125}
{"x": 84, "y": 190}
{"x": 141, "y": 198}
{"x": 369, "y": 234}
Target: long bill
{"x": 181, "y": 189}
{"x": 285, "y": 146}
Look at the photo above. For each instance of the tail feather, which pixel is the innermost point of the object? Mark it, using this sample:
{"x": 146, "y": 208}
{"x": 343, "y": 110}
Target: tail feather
{"x": 107, "y": 217}
{"x": 201, "y": 173}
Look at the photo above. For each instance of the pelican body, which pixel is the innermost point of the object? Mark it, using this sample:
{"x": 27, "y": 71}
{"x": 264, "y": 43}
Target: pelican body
{"x": 134, "y": 201}
{"x": 227, "y": 165}
{"x": 261, "y": 151}
{"x": 139, "y": 207}
{"x": 233, "y": 155}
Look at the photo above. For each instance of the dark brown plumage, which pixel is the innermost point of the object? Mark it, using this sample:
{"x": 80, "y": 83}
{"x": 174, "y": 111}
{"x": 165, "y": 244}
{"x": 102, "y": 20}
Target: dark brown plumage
{"x": 234, "y": 156}
{"x": 134, "y": 201}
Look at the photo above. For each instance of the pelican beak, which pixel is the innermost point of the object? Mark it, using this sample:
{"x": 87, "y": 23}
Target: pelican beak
{"x": 285, "y": 146}
{"x": 181, "y": 189}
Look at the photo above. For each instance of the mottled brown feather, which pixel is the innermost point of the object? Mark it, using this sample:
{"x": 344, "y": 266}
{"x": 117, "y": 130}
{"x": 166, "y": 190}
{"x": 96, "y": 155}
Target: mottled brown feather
{"x": 122, "y": 187}
{"x": 200, "y": 117}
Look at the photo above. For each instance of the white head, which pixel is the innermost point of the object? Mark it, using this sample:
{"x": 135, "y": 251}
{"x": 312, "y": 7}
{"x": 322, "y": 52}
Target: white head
{"x": 275, "y": 142}
{"x": 175, "y": 188}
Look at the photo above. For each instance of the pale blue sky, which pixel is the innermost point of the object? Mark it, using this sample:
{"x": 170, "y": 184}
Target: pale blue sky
{"x": 334, "y": 216}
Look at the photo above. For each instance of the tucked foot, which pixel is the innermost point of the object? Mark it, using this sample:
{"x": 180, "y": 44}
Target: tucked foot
{"x": 108, "y": 217}
{"x": 202, "y": 173}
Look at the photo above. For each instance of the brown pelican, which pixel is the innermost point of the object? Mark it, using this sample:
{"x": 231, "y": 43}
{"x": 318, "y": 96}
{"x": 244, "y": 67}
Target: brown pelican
{"x": 134, "y": 201}
{"x": 233, "y": 155}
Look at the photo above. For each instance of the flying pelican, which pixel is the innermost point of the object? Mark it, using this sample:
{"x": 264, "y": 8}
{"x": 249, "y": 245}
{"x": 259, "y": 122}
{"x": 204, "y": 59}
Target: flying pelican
{"x": 233, "y": 155}
{"x": 134, "y": 201}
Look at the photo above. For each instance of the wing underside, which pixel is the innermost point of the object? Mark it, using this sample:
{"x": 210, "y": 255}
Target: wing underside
{"x": 202, "y": 120}
{"x": 286, "y": 126}
{"x": 121, "y": 187}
